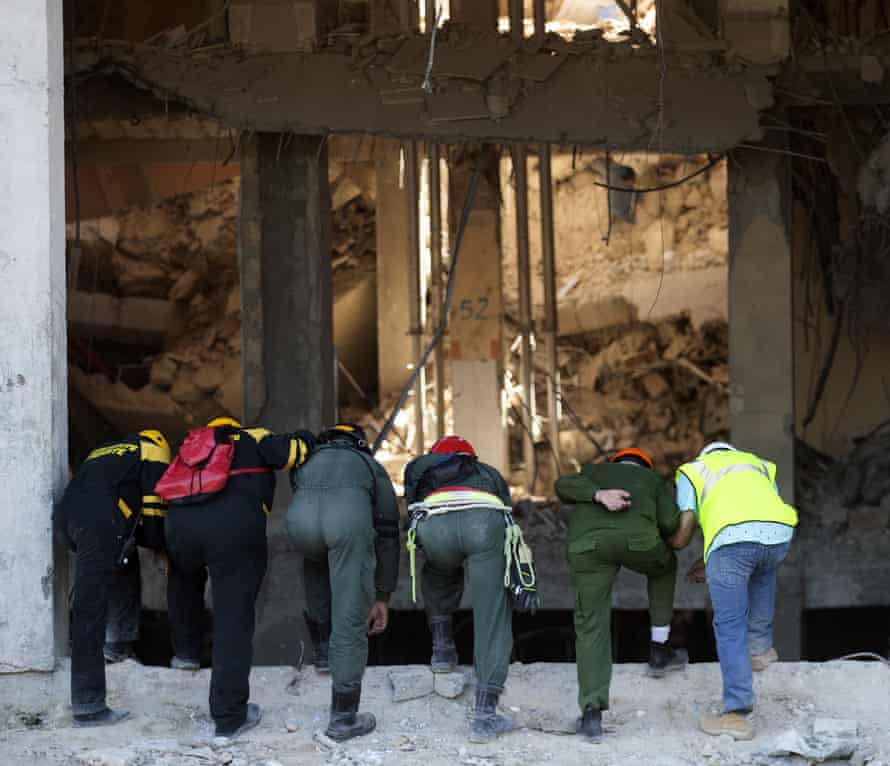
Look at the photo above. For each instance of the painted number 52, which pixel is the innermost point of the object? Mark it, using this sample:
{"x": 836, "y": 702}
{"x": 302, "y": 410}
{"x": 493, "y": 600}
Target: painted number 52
{"x": 474, "y": 308}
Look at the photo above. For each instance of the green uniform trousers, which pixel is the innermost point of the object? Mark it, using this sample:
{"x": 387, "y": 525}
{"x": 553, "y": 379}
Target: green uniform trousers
{"x": 477, "y": 537}
{"x": 333, "y": 531}
{"x": 593, "y": 567}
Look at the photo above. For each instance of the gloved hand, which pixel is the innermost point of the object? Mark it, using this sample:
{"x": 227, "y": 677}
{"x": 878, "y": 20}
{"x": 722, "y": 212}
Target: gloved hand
{"x": 525, "y": 597}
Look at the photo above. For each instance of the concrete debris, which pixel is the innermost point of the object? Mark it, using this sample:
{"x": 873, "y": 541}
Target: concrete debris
{"x": 410, "y": 683}
{"x": 109, "y": 757}
{"x": 815, "y": 748}
{"x": 450, "y": 685}
{"x": 677, "y": 221}
{"x": 842, "y": 728}
{"x": 184, "y": 250}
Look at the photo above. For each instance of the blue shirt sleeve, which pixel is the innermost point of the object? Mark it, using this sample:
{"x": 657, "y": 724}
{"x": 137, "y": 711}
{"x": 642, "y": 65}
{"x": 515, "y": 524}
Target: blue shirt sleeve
{"x": 686, "y": 500}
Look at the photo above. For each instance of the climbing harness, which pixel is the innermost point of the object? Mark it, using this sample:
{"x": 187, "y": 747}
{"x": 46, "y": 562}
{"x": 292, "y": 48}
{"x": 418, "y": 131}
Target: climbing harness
{"x": 519, "y": 571}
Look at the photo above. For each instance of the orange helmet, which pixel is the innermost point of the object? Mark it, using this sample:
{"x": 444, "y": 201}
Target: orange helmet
{"x": 634, "y": 454}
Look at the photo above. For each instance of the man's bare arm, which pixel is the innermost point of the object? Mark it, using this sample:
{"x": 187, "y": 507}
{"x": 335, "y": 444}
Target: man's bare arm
{"x": 680, "y": 538}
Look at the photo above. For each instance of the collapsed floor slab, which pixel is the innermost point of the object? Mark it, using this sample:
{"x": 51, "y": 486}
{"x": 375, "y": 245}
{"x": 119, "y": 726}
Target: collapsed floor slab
{"x": 651, "y": 721}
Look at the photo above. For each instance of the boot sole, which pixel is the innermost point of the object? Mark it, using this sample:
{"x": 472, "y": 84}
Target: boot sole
{"x": 662, "y": 672}
{"x": 96, "y": 724}
{"x": 736, "y": 735}
{"x": 344, "y": 737}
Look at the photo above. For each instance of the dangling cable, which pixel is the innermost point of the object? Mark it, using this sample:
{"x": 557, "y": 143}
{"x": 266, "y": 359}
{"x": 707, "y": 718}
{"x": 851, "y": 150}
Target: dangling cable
{"x": 446, "y": 307}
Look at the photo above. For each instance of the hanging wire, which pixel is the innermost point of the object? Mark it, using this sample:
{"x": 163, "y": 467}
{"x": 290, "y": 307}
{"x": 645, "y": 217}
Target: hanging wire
{"x": 446, "y": 307}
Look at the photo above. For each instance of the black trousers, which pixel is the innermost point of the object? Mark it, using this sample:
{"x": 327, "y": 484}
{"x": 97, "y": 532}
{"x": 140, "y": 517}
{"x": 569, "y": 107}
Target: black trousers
{"x": 125, "y": 603}
{"x": 227, "y": 538}
{"x": 94, "y": 528}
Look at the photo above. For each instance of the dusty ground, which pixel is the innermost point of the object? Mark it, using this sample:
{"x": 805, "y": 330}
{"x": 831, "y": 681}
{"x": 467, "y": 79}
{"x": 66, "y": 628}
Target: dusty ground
{"x": 651, "y": 722}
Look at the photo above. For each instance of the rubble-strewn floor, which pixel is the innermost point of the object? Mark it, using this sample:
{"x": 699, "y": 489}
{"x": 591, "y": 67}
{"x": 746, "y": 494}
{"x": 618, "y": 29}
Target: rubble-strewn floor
{"x": 651, "y": 721}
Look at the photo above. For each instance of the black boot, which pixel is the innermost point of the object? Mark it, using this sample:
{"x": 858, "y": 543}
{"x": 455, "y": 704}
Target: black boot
{"x": 663, "y": 659}
{"x": 444, "y": 658}
{"x": 591, "y": 723}
{"x": 320, "y": 634}
{"x": 487, "y": 723}
{"x": 107, "y": 717}
{"x": 346, "y": 721}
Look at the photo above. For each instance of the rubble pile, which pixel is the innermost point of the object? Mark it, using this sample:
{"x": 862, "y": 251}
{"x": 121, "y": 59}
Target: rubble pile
{"x": 184, "y": 250}
{"x": 683, "y": 228}
{"x": 660, "y": 386}
{"x": 852, "y": 493}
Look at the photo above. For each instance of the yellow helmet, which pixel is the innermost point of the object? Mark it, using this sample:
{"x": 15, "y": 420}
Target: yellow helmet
{"x": 156, "y": 438}
{"x": 224, "y": 421}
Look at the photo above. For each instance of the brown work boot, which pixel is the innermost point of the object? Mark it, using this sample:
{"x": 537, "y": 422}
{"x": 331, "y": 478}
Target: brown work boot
{"x": 733, "y": 724}
{"x": 760, "y": 662}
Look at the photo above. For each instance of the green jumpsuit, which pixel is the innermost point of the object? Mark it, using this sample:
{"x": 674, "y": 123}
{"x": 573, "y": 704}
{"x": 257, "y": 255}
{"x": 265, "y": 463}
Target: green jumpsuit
{"x": 474, "y": 536}
{"x": 599, "y": 544}
{"x": 344, "y": 519}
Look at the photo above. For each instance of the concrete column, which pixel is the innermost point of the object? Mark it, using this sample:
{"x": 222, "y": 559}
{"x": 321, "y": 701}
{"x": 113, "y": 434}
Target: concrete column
{"x": 394, "y": 240}
{"x": 760, "y": 340}
{"x": 476, "y": 326}
{"x": 33, "y": 401}
{"x": 287, "y": 338}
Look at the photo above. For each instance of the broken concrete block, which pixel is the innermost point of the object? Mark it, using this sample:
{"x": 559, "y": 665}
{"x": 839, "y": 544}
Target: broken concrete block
{"x": 346, "y": 191}
{"x": 450, "y": 685}
{"x": 109, "y": 229}
{"x": 163, "y": 372}
{"x": 411, "y": 683}
{"x": 184, "y": 390}
{"x": 185, "y": 286}
{"x": 718, "y": 240}
{"x": 842, "y": 728}
{"x": 655, "y": 385}
{"x": 113, "y": 756}
{"x": 208, "y": 378}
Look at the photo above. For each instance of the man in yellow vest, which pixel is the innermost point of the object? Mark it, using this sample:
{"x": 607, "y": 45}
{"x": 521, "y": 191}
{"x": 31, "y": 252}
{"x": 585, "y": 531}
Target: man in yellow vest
{"x": 747, "y": 529}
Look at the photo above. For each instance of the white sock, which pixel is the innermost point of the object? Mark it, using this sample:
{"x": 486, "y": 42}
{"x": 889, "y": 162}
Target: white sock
{"x": 661, "y": 633}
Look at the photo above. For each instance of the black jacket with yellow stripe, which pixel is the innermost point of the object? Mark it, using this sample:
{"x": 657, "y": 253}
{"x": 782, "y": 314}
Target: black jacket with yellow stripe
{"x": 125, "y": 473}
{"x": 262, "y": 450}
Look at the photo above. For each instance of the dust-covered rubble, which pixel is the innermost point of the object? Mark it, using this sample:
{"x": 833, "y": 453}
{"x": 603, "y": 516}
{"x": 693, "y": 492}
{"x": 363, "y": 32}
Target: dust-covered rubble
{"x": 650, "y": 721}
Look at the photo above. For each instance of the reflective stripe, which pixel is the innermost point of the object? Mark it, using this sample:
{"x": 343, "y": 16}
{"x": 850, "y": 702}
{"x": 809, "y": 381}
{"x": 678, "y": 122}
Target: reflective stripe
{"x": 159, "y": 512}
{"x": 291, "y": 456}
{"x": 464, "y": 496}
{"x": 265, "y": 509}
{"x": 712, "y": 477}
{"x": 124, "y": 508}
{"x": 153, "y": 499}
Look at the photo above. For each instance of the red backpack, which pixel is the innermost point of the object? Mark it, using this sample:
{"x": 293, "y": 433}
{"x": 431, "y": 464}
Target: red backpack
{"x": 200, "y": 469}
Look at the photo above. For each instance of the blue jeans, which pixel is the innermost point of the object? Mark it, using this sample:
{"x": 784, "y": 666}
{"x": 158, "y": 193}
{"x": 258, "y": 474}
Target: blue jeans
{"x": 742, "y": 581}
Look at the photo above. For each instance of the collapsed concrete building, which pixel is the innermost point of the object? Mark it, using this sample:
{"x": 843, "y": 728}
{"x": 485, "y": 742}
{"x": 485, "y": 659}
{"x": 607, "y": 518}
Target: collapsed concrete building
{"x": 674, "y": 232}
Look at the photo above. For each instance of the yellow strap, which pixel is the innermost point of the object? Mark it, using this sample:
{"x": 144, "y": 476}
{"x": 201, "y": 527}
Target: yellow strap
{"x": 291, "y": 456}
{"x": 157, "y": 500}
{"x": 159, "y": 512}
{"x": 411, "y": 545}
{"x": 124, "y": 508}
{"x": 265, "y": 509}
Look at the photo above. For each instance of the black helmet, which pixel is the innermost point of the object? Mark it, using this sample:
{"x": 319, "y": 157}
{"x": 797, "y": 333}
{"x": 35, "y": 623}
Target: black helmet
{"x": 344, "y": 430}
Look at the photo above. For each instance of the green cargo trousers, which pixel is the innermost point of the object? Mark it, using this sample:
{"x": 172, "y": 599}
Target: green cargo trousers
{"x": 332, "y": 529}
{"x": 593, "y": 566}
{"x": 477, "y": 537}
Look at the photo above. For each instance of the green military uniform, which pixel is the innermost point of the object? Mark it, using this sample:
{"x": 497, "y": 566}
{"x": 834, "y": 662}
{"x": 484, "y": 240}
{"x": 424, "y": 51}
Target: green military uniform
{"x": 344, "y": 519}
{"x": 599, "y": 544}
{"x": 474, "y": 535}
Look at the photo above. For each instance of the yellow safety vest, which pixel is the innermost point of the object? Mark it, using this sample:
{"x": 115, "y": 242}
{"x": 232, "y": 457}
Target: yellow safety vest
{"x": 733, "y": 488}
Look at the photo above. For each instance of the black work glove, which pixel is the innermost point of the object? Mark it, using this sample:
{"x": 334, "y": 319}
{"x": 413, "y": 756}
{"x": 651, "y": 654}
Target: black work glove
{"x": 525, "y": 597}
